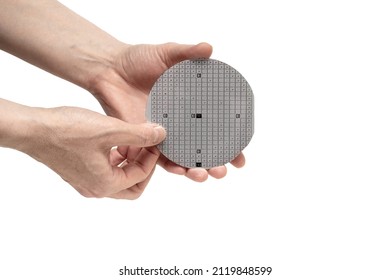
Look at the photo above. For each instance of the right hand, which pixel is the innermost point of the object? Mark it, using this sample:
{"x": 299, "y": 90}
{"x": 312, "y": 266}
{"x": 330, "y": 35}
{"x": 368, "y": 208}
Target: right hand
{"x": 78, "y": 145}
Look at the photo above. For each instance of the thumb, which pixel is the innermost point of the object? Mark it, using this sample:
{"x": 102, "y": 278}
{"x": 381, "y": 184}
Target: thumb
{"x": 141, "y": 135}
{"x": 175, "y": 53}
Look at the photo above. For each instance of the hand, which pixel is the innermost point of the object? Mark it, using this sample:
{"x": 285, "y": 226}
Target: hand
{"x": 78, "y": 145}
{"x": 123, "y": 89}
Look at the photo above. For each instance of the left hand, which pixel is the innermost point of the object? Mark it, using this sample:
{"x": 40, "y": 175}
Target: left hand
{"x": 123, "y": 88}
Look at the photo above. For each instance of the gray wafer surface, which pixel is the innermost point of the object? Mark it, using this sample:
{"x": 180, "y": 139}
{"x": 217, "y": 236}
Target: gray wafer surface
{"x": 207, "y": 109}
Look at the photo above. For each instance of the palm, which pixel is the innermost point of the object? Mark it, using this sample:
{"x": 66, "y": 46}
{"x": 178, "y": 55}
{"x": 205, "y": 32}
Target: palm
{"x": 126, "y": 89}
{"x": 135, "y": 72}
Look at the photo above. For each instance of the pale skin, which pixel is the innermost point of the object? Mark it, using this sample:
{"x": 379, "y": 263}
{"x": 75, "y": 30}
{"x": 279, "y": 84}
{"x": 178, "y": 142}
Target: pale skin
{"x": 47, "y": 34}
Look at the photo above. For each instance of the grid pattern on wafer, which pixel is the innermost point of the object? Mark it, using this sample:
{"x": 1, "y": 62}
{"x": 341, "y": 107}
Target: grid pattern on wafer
{"x": 206, "y": 107}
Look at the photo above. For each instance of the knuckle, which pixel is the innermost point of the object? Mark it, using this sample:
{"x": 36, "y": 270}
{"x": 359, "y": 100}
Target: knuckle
{"x": 137, "y": 192}
{"x": 93, "y": 192}
{"x": 99, "y": 194}
{"x": 85, "y": 193}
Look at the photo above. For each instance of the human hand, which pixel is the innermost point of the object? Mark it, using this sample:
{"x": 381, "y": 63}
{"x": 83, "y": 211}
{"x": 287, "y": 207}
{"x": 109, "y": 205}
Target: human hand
{"x": 123, "y": 89}
{"x": 119, "y": 75}
{"x": 78, "y": 145}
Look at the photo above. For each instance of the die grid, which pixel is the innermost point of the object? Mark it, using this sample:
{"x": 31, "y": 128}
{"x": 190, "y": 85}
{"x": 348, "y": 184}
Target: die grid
{"x": 206, "y": 106}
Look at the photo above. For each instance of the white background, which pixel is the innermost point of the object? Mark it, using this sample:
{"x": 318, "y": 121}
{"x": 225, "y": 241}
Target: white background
{"x": 313, "y": 199}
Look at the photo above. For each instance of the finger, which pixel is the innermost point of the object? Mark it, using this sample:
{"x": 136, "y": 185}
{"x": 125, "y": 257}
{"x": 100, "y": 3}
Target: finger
{"x": 143, "y": 165}
{"x": 218, "y": 172}
{"x": 175, "y": 53}
{"x": 197, "y": 174}
{"x": 135, "y": 191}
{"x": 138, "y": 135}
{"x": 239, "y": 161}
{"x": 136, "y": 171}
{"x": 171, "y": 166}
{"x": 128, "y": 152}
{"x": 116, "y": 157}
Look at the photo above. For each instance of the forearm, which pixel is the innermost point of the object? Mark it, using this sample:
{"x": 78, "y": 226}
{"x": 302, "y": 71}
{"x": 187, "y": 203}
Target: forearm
{"x": 17, "y": 122}
{"x": 49, "y": 35}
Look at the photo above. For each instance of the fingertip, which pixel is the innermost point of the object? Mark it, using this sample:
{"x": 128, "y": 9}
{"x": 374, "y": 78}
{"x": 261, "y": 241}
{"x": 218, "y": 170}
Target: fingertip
{"x": 239, "y": 161}
{"x": 218, "y": 172}
{"x": 201, "y": 50}
{"x": 205, "y": 48}
{"x": 197, "y": 174}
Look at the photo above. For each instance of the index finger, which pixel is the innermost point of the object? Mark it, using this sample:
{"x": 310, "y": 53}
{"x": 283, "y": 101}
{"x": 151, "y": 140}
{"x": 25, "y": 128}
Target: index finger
{"x": 136, "y": 171}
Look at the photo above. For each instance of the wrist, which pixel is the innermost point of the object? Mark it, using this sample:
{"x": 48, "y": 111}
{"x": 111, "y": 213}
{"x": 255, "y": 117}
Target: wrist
{"x": 108, "y": 79}
{"x": 97, "y": 63}
{"x": 19, "y": 124}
